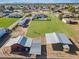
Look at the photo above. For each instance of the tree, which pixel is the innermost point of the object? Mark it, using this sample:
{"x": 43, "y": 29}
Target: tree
{"x": 60, "y": 16}
{"x": 71, "y": 8}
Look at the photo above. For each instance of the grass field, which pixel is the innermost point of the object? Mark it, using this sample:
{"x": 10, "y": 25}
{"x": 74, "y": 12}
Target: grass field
{"x": 6, "y": 22}
{"x": 39, "y": 28}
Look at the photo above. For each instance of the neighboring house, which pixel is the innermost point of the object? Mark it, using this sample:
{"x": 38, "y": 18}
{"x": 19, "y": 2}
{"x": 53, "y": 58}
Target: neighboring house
{"x": 7, "y": 11}
{"x": 15, "y": 15}
{"x": 18, "y": 11}
{"x": 2, "y": 15}
{"x": 39, "y": 16}
{"x": 76, "y": 15}
{"x": 69, "y": 21}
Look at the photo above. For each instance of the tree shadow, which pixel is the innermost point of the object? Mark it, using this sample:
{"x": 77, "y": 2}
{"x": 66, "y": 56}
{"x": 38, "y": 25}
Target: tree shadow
{"x": 43, "y": 53}
{"x": 22, "y": 52}
{"x": 73, "y": 48}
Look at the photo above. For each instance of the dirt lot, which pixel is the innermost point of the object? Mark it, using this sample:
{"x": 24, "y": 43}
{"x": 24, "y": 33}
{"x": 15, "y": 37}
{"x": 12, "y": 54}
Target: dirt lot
{"x": 18, "y": 31}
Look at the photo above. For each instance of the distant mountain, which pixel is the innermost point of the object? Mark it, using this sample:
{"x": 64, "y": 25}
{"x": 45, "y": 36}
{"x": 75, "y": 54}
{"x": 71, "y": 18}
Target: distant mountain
{"x": 38, "y": 1}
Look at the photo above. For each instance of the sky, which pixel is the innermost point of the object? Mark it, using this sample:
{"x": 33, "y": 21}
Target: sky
{"x": 38, "y": 1}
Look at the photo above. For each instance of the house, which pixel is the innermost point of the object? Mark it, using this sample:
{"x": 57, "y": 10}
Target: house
{"x": 58, "y": 39}
{"x": 7, "y": 11}
{"x": 15, "y": 15}
{"x": 69, "y": 21}
{"x": 39, "y": 16}
{"x": 24, "y": 22}
{"x": 76, "y": 15}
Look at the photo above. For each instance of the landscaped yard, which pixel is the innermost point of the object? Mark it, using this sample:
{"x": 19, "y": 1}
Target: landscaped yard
{"x": 6, "y": 22}
{"x": 39, "y": 28}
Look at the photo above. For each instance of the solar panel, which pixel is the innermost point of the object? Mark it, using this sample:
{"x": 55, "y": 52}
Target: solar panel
{"x": 54, "y": 38}
{"x": 64, "y": 39}
{"x": 51, "y": 38}
{"x": 36, "y": 47}
{"x": 22, "y": 40}
{"x": 26, "y": 42}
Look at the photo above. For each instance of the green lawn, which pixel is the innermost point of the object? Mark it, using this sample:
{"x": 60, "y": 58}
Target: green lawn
{"x": 6, "y": 22}
{"x": 39, "y": 28}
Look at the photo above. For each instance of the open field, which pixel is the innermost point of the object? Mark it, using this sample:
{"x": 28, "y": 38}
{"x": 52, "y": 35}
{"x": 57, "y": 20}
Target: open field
{"x": 39, "y": 28}
{"x": 5, "y": 22}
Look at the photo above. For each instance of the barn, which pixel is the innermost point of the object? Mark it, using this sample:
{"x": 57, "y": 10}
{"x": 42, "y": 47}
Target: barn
{"x": 24, "y": 23}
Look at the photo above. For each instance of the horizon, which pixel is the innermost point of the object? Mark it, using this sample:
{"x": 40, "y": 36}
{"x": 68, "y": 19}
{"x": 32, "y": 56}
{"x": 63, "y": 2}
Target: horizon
{"x": 37, "y": 1}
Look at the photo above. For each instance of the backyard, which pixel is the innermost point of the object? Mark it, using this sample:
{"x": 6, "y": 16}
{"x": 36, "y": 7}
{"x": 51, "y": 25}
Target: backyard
{"x": 39, "y": 28}
{"x": 6, "y": 22}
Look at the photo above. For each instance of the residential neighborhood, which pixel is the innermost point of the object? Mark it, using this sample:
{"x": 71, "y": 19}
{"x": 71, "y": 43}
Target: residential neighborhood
{"x": 39, "y": 29}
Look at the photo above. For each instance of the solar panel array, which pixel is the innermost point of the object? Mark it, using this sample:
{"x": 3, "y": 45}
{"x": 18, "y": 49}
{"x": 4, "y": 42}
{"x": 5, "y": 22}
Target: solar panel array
{"x": 26, "y": 42}
{"x": 54, "y": 38}
{"x": 36, "y": 47}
